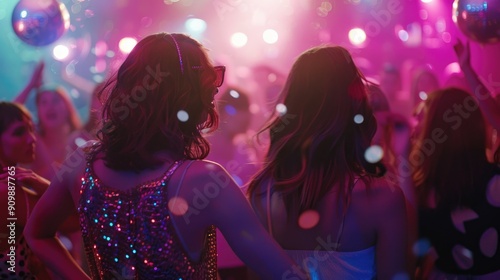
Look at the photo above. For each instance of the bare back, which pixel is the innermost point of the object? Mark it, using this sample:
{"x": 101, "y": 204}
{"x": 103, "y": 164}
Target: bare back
{"x": 375, "y": 218}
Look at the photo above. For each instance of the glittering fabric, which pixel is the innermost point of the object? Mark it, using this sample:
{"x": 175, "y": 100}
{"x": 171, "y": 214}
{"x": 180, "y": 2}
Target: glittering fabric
{"x": 130, "y": 234}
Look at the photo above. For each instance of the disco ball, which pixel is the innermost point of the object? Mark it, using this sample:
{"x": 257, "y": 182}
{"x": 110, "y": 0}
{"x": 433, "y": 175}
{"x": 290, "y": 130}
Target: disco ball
{"x": 40, "y": 22}
{"x": 479, "y": 20}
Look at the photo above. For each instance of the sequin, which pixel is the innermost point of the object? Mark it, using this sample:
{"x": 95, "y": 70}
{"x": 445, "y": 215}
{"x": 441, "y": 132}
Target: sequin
{"x": 127, "y": 220}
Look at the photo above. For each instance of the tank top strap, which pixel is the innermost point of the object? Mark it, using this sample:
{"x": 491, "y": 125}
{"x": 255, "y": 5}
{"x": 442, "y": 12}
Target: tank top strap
{"x": 344, "y": 213}
{"x": 341, "y": 227}
{"x": 182, "y": 177}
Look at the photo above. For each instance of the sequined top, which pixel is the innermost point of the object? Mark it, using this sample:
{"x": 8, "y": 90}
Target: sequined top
{"x": 130, "y": 234}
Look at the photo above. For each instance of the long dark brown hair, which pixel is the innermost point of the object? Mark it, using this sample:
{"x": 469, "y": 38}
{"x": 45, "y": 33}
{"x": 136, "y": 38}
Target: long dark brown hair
{"x": 449, "y": 156}
{"x": 316, "y": 144}
{"x": 160, "y": 100}
{"x": 11, "y": 112}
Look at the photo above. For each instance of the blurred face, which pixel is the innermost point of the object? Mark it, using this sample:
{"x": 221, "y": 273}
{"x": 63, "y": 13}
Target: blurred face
{"x": 52, "y": 111}
{"x": 17, "y": 143}
{"x": 418, "y": 119}
{"x": 234, "y": 121}
{"x": 390, "y": 84}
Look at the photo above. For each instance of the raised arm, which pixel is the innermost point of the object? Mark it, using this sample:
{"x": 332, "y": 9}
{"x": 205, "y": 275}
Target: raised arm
{"x": 49, "y": 214}
{"x": 489, "y": 106}
{"x": 77, "y": 81}
{"x": 35, "y": 82}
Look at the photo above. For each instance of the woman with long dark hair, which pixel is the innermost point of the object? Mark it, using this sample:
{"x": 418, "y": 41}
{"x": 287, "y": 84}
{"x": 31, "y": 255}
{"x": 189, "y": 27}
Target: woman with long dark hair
{"x": 317, "y": 194}
{"x": 457, "y": 188}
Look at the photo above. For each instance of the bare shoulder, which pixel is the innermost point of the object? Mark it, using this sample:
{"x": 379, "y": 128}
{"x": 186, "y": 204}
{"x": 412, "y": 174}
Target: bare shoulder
{"x": 207, "y": 190}
{"x": 201, "y": 177}
{"x": 204, "y": 171}
{"x": 70, "y": 172}
{"x": 207, "y": 166}
{"x": 379, "y": 196}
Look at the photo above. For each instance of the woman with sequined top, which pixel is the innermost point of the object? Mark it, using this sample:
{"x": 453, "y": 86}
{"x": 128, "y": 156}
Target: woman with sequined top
{"x": 148, "y": 203}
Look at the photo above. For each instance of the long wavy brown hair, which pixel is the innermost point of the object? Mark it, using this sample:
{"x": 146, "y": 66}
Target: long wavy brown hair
{"x": 449, "y": 156}
{"x": 316, "y": 144}
{"x": 159, "y": 100}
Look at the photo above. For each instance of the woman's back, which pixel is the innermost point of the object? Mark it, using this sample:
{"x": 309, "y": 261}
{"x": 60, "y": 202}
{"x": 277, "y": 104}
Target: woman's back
{"x": 325, "y": 195}
{"x": 326, "y": 242}
{"x": 113, "y": 214}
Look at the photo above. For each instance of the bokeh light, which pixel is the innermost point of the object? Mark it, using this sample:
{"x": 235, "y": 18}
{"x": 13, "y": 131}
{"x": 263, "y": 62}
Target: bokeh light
{"x": 374, "y": 154}
{"x": 60, "y": 52}
{"x": 270, "y": 36}
{"x": 234, "y": 93}
{"x": 195, "y": 25}
{"x": 452, "y": 68}
{"x": 403, "y": 35}
{"x": 357, "y": 36}
{"x": 178, "y": 206}
{"x": 183, "y": 116}
{"x": 308, "y": 219}
{"x": 422, "y": 95}
{"x": 100, "y": 48}
{"x": 239, "y": 39}
{"x": 127, "y": 44}
{"x": 421, "y": 247}
{"x": 358, "y": 118}
{"x": 281, "y": 109}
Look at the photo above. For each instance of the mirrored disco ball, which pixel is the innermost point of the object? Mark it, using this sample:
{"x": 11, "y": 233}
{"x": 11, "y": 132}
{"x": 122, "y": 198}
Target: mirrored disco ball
{"x": 40, "y": 22}
{"x": 479, "y": 20}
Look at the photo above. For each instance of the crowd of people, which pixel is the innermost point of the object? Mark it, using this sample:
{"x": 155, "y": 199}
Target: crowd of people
{"x": 166, "y": 180}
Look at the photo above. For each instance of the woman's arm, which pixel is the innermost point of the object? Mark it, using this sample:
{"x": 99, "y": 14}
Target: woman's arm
{"x": 35, "y": 82}
{"x": 228, "y": 209}
{"x": 51, "y": 211}
{"x": 77, "y": 81}
{"x": 489, "y": 106}
{"x": 392, "y": 229}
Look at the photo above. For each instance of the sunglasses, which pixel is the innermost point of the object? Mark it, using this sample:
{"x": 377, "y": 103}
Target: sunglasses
{"x": 219, "y": 70}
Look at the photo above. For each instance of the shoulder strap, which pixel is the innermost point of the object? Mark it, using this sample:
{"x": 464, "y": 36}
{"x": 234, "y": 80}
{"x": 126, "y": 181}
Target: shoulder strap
{"x": 344, "y": 213}
{"x": 270, "y": 225}
{"x": 268, "y": 206}
{"x": 182, "y": 178}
